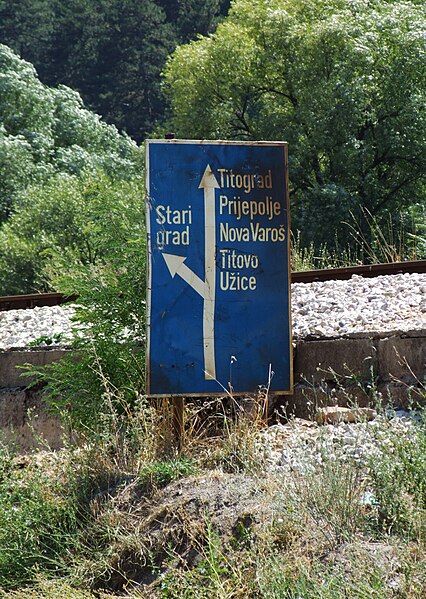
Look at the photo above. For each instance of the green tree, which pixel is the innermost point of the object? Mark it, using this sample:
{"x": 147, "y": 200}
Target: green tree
{"x": 64, "y": 221}
{"x": 27, "y": 26}
{"x": 342, "y": 81}
{"x": 111, "y": 51}
{"x": 45, "y": 130}
{"x": 192, "y": 17}
{"x": 90, "y": 236}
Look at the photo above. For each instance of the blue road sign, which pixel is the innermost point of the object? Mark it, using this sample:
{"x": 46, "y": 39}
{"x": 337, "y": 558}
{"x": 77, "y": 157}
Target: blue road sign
{"x": 219, "y": 277}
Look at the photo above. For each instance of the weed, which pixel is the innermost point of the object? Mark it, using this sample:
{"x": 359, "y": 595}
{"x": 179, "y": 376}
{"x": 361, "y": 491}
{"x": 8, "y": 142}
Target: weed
{"x": 308, "y": 258}
{"x": 38, "y": 523}
{"x": 315, "y": 580}
{"x": 398, "y": 481}
{"x": 48, "y": 589}
{"x": 216, "y": 573}
{"x": 53, "y": 339}
{"x": 156, "y": 475}
{"x": 332, "y": 527}
{"x": 391, "y": 239}
{"x": 342, "y": 518}
{"x": 232, "y": 446}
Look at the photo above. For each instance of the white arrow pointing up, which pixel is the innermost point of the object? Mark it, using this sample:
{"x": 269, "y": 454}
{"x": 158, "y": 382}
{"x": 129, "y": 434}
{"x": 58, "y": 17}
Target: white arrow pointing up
{"x": 209, "y": 184}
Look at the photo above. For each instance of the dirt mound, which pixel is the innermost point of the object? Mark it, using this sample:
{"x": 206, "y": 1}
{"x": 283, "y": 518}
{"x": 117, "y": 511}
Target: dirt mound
{"x": 175, "y": 524}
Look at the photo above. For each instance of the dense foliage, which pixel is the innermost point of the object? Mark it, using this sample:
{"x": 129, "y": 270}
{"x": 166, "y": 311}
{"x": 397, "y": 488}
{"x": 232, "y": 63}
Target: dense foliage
{"x": 51, "y": 147}
{"x": 111, "y": 51}
{"x": 342, "y": 81}
{"x": 47, "y": 130}
{"x": 100, "y": 255}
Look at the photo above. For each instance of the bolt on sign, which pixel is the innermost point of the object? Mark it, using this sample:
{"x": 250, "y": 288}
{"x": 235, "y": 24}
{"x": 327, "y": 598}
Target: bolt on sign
{"x": 218, "y": 274}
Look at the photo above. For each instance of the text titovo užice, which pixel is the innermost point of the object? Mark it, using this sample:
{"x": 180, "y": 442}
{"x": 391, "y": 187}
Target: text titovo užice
{"x": 236, "y": 268}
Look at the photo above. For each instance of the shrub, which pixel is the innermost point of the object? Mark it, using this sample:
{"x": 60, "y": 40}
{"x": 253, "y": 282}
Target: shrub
{"x": 105, "y": 266}
{"x": 38, "y": 521}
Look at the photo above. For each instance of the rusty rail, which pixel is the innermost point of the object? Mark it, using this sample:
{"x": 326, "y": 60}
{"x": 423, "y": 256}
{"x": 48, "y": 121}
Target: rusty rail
{"x": 364, "y": 270}
{"x": 15, "y": 302}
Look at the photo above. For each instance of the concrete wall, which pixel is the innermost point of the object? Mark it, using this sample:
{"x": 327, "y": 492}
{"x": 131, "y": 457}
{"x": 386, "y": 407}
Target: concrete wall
{"x": 24, "y": 420}
{"x": 326, "y": 372}
{"x": 365, "y": 370}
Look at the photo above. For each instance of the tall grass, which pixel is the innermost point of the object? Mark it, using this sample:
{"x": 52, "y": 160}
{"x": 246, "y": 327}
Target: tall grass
{"x": 371, "y": 240}
{"x": 309, "y": 258}
{"x": 394, "y": 238}
{"x": 335, "y": 527}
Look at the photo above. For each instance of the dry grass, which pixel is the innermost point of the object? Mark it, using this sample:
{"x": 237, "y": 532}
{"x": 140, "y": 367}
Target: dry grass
{"x": 213, "y": 521}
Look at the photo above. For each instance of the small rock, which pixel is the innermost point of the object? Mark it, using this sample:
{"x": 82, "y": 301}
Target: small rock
{"x": 336, "y": 414}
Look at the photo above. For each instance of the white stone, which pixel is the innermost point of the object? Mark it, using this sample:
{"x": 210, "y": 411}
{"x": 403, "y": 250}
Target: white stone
{"x": 328, "y": 309}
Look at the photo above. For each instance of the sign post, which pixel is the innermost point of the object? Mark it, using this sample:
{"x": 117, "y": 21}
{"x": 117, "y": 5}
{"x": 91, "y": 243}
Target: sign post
{"x": 218, "y": 271}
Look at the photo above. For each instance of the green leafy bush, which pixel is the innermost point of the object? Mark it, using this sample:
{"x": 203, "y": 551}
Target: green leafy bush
{"x": 38, "y": 521}
{"x": 103, "y": 231}
{"x": 159, "y": 474}
{"x": 65, "y": 222}
{"x": 398, "y": 475}
{"x": 46, "y": 130}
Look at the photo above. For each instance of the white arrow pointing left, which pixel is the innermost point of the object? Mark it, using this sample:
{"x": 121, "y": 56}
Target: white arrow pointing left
{"x": 176, "y": 265}
{"x": 206, "y": 288}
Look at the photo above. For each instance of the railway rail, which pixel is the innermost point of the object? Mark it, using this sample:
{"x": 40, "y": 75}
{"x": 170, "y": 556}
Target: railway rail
{"x": 15, "y": 302}
{"x": 364, "y": 270}
{"x": 33, "y": 300}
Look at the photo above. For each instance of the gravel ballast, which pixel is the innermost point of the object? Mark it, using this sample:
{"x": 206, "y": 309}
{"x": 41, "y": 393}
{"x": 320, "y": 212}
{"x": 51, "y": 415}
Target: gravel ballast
{"x": 303, "y": 446}
{"x": 329, "y": 309}
{"x": 343, "y": 308}
{"x": 19, "y": 328}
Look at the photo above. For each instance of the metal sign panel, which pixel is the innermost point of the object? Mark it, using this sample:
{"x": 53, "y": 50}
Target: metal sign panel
{"x": 219, "y": 279}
